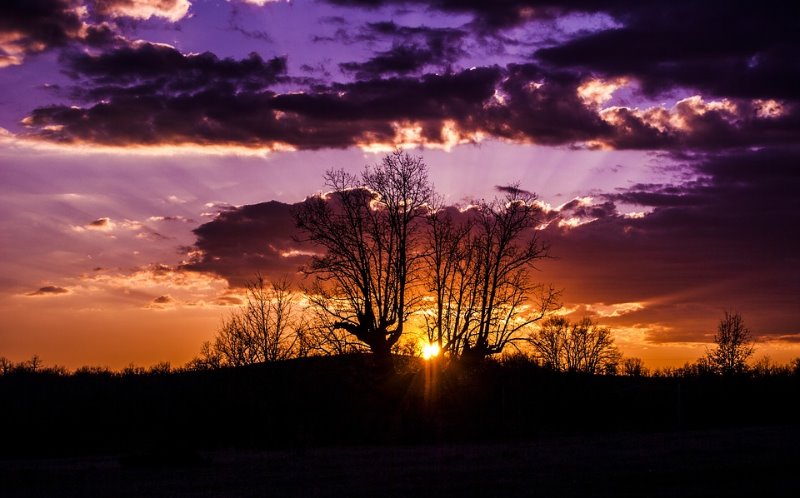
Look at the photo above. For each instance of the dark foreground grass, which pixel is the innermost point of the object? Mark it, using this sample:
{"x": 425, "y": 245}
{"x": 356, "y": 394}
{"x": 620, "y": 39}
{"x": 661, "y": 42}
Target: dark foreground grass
{"x": 749, "y": 462}
{"x": 339, "y": 427}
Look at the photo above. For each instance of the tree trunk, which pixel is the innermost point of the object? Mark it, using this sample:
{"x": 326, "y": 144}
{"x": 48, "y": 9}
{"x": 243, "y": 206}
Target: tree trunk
{"x": 382, "y": 352}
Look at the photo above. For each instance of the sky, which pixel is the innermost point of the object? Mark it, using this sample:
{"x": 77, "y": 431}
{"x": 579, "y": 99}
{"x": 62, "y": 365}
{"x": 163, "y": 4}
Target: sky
{"x": 151, "y": 152}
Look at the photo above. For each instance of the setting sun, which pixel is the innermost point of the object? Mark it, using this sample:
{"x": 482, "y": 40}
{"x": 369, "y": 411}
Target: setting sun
{"x": 430, "y": 351}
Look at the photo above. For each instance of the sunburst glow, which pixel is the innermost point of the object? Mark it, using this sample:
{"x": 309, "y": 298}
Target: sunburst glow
{"x": 430, "y": 351}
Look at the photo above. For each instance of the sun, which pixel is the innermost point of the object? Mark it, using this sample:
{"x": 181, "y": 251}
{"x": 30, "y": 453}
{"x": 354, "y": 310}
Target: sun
{"x": 430, "y": 351}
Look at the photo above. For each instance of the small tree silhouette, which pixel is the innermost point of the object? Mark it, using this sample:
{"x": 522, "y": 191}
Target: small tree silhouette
{"x": 734, "y": 345}
{"x": 634, "y": 367}
{"x": 265, "y": 328}
{"x": 583, "y": 346}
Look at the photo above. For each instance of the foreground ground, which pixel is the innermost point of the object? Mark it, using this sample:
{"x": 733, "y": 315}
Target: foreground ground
{"x": 727, "y": 462}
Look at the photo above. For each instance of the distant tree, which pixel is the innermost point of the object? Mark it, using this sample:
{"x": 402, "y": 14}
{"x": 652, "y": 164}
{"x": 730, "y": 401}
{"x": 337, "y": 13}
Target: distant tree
{"x": 479, "y": 270}
{"x": 35, "y": 363}
{"x": 161, "y": 368}
{"x": 265, "y": 328}
{"x": 634, "y": 367}
{"x": 369, "y": 226}
{"x": 132, "y": 370}
{"x": 97, "y": 371}
{"x": 549, "y": 342}
{"x": 583, "y": 346}
{"x": 765, "y": 367}
{"x": 734, "y": 346}
{"x": 208, "y": 359}
{"x": 6, "y": 365}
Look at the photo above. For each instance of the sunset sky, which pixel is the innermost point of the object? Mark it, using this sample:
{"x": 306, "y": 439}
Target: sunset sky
{"x": 151, "y": 150}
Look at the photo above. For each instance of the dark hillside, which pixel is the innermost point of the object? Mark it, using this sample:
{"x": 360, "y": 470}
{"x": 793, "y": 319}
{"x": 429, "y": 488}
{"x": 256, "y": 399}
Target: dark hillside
{"x": 342, "y": 401}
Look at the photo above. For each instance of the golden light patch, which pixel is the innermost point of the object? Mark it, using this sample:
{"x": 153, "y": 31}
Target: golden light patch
{"x": 615, "y": 309}
{"x": 409, "y": 135}
{"x": 172, "y": 10}
{"x": 32, "y": 144}
{"x": 595, "y": 92}
{"x": 768, "y": 109}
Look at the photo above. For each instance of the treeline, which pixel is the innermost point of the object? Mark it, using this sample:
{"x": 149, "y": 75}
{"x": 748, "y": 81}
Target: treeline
{"x": 271, "y": 326}
{"x": 339, "y": 400}
{"x": 626, "y": 367}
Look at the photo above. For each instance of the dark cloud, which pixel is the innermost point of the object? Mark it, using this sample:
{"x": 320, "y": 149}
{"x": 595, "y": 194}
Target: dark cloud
{"x": 533, "y": 106}
{"x": 29, "y": 26}
{"x": 739, "y": 49}
{"x": 163, "y": 300}
{"x": 171, "y": 218}
{"x": 339, "y": 115}
{"x": 512, "y": 189}
{"x": 49, "y": 290}
{"x": 244, "y": 241}
{"x": 228, "y": 301}
{"x": 99, "y": 223}
{"x": 235, "y": 23}
{"x": 401, "y": 59}
{"x": 721, "y": 241}
{"x": 374, "y": 32}
{"x": 152, "y": 94}
{"x": 745, "y": 49}
{"x": 413, "y": 48}
{"x": 152, "y": 68}
{"x": 489, "y": 16}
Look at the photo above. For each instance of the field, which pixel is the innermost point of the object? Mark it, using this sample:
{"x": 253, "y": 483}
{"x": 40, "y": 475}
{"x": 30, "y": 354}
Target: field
{"x": 333, "y": 427}
{"x": 733, "y": 462}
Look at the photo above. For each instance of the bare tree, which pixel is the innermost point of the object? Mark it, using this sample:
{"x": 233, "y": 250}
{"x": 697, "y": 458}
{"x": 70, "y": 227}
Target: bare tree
{"x": 549, "y": 342}
{"x": 449, "y": 278}
{"x": 6, "y": 365}
{"x": 479, "y": 270}
{"x": 734, "y": 345}
{"x": 369, "y": 226}
{"x": 583, "y": 346}
{"x": 634, "y": 367}
{"x": 35, "y": 363}
{"x": 208, "y": 359}
{"x": 263, "y": 329}
{"x": 320, "y": 337}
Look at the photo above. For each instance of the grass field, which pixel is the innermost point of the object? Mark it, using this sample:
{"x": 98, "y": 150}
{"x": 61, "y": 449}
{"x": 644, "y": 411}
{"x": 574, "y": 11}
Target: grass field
{"x": 751, "y": 462}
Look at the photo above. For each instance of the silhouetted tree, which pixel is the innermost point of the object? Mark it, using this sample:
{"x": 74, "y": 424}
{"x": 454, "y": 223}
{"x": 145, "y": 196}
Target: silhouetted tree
{"x": 34, "y": 363}
{"x": 582, "y": 346}
{"x": 6, "y": 365}
{"x": 132, "y": 370}
{"x": 734, "y": 345}
{"x": 321, "y": 337}
{"x": 765, "y": 367}
{"x": 160, "y": 368}
{"x": 634, "y": 367}
{"x": 448, "y": 277}
{"x": 208, "y": 359}
{"x": 263, "y": 329}
{"x": 369, "y": 225}
{"x": 479, "y": 269}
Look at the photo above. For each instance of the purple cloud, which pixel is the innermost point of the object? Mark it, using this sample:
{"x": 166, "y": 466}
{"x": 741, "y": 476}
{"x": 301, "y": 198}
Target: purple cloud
{"x": 48, "y": 290}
